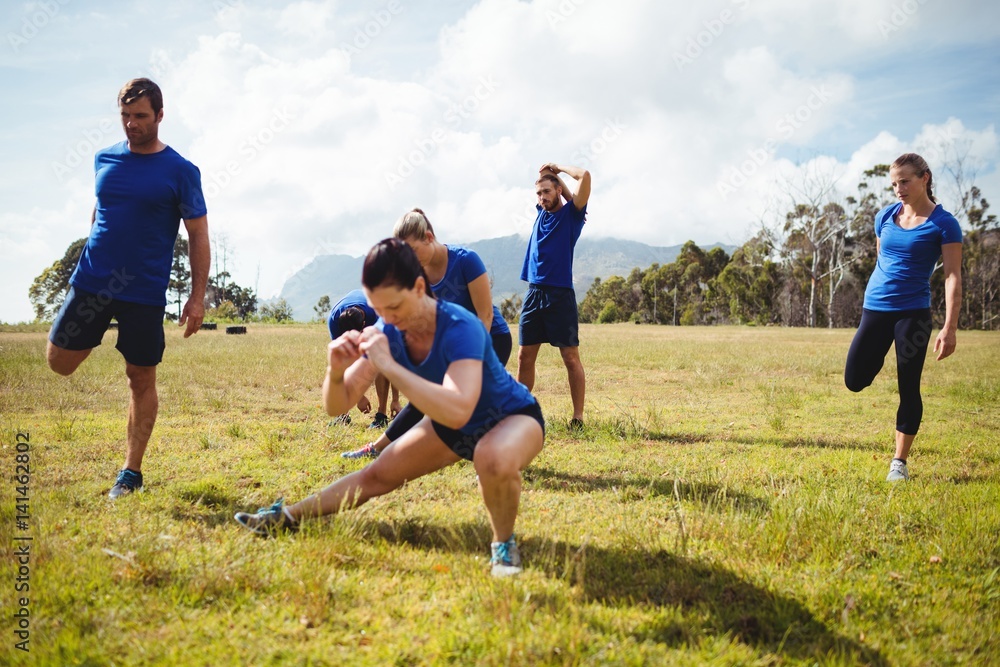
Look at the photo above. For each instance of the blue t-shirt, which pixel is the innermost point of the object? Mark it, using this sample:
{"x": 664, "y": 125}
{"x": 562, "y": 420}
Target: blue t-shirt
{"x": 141, "y": 199}
{"x": 549, "y": 260}
{"x": 460, "y": 335}
{"x": 464, "y": 266}
{"x": 902, "y": 276}
{"x": 353, "y": 298}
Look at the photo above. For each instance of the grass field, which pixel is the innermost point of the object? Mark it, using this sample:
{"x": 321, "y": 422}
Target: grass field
{"x": 724, "y": 506}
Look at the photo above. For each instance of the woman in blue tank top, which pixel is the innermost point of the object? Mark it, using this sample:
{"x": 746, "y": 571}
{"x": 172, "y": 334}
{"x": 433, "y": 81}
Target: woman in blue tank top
{"x": 913, "y": 235}
{"x": 440, "y": 357}
{"x": 457, "y": 275}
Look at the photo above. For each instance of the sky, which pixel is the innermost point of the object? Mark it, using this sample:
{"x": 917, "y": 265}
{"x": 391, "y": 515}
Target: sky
{"x": 317, "y": 124}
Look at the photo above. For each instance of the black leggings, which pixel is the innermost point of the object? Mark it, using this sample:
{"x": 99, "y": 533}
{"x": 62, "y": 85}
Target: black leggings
{"x": 409, "y": 415}
{"x": 911, "y": 331}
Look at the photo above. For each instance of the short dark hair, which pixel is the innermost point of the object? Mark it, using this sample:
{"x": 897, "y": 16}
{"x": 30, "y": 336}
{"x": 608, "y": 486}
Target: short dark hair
{"x": 392, "y": 262}
{"x": 142, "y": 87}
{"x": 351, "y": 318}
{"x": 549, "y": 177}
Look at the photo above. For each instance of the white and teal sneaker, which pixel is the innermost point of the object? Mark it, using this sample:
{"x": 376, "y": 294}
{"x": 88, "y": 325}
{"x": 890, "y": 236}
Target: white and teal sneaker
{"x": 506, "y": 559}
{"x": 898, "y": 472}
{"x": 268, "y": 521}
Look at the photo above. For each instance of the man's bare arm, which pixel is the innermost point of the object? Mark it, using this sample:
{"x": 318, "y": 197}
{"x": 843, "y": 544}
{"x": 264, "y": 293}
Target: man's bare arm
{"x": 582, "y": 176}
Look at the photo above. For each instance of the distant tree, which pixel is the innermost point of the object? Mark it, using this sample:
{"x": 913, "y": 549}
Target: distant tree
{"x": 180, "y": 274}
{"x": 750, "y": 283}
{"x": 510, "y": 308}
{"x": 243, "y": 298}
{"x": 609, "y": 313}
{"x": 224, "y": 311}
{"x": 616, "y": 291}
{"x": 48, "y": 290}
{"x": 981, "y": 251}
{"x": 278, "y": 311}
{"x": 683, "y": 291}
{"x": 322, "y": 307}
{"x": 220, "y": 289}
{"x": 588, "y": 309}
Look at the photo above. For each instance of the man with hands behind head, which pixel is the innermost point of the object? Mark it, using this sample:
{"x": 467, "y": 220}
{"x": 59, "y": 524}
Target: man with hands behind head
{"x": 549, "y": 313}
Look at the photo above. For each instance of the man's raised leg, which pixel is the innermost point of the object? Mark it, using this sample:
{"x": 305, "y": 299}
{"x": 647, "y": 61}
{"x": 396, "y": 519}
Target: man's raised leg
{"x": 64, "y": 361}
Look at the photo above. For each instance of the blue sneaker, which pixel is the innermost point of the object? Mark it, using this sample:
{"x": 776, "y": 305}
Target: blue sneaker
{"x": 126, "y": 482}
{"x": 268, "y": 521}
{"x": 506, "y": 559}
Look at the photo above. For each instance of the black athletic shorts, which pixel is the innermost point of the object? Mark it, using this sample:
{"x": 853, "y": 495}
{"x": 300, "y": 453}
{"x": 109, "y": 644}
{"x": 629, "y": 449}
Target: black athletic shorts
{"x": 549, "y": 315}
{"x": 85, "y": 316}
{"x": 464, "y": 444}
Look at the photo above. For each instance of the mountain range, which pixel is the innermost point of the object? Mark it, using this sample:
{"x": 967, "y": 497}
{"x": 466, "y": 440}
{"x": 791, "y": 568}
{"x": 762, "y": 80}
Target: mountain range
{"x": 336, "y": 275}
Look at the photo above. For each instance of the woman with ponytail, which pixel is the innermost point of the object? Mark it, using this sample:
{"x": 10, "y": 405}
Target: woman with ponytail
{"x": 441, "y": 358}
{"x": 457, "y": 275}
{"x": 912, "y": 235}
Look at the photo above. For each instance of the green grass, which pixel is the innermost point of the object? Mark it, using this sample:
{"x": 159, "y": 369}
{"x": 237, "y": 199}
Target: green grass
{"x": 725, "y": 505}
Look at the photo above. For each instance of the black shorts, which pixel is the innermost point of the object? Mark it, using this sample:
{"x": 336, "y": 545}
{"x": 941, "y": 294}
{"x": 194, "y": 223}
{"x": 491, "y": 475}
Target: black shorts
{"x": 502, "y": 345}
{"x": 549, "y": 315}
{"x": 464, "y": 444}
{"x": 85, "y": 316}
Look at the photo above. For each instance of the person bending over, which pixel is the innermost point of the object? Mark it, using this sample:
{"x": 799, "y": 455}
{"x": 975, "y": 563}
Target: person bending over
{"x": 353, "y": 313}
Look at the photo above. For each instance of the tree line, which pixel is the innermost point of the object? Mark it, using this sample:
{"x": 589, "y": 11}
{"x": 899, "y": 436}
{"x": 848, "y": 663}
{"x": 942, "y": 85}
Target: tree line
{"x": 809, "y": 267}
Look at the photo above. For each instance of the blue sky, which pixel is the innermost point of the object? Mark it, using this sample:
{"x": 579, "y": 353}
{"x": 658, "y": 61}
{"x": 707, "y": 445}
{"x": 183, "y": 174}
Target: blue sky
{"x": 316, "y": 124}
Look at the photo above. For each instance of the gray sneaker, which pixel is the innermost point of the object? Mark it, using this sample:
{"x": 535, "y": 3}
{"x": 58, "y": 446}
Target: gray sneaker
{"x": 366, "y": 452}
{"x": 897, "y": 472}
{"x": 268, "y": 521}
{"x": 506, "y": 559}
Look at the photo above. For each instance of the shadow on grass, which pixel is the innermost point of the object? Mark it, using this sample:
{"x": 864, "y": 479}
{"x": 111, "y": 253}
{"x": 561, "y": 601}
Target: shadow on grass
{"x": 708, "y": 598}
{"x": 641, "y": 488}
{"x": 208, "y": 504}
{"x": 792, "y": 442}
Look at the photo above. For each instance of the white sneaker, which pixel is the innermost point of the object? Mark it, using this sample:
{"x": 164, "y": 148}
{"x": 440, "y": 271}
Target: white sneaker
{"x": 897, "y": 472}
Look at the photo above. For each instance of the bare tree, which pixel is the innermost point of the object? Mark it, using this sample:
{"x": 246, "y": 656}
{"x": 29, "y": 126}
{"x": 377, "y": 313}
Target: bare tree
{"x": 814, "y": 229}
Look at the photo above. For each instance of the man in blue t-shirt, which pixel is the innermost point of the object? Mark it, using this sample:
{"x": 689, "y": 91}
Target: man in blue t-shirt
{"x": 549, "y": 314}
{"x": 352, "y": 313}
{"x": 144, "y": 189}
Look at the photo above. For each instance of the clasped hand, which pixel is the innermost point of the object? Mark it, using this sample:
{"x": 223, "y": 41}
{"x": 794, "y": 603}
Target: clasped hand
{"x": 351, "y": 345}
